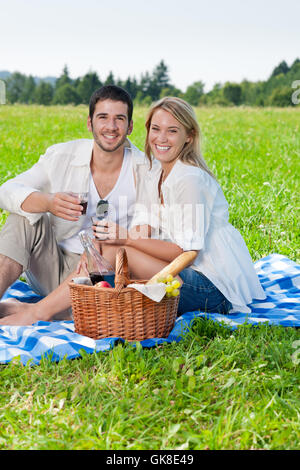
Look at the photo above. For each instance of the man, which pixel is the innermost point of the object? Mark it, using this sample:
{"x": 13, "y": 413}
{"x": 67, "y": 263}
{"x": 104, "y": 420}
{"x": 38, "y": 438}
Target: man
{"x": 40, "y": 237}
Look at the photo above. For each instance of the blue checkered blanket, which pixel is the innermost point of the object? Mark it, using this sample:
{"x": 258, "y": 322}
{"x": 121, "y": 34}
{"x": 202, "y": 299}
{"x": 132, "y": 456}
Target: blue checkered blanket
{"x": 279, "y": 276}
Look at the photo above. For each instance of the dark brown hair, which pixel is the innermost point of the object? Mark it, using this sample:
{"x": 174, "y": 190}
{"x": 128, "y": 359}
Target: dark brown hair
{"x": 114, "y": 93}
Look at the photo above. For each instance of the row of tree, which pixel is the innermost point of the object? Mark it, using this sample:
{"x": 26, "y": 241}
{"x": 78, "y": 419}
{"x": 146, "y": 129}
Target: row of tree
{"x": 276, "y": 91}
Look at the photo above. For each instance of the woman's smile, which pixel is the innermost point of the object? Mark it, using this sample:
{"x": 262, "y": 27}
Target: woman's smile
{"x": 162, "y": 148}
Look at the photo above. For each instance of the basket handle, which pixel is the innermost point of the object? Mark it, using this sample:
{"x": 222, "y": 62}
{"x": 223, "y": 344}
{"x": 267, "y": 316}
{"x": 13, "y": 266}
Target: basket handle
{"x": 122, "y": 272}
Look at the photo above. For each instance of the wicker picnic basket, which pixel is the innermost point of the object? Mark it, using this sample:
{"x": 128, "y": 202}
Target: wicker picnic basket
{"x": 122, "y": 311}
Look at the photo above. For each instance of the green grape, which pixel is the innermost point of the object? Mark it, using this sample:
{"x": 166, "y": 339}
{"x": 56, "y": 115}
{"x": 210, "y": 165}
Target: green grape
{"x": 176, "y": 284}
{"x": 161, "y": 279}
{"x": 169, "y": 294}
{"x": 169, "y": 278}
{"x": 169, "y": 288}
{"x": 175, "y": 292}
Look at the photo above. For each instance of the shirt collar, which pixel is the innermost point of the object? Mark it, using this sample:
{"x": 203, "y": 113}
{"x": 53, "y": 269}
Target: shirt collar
{"x": 83, "y": 152}
{"x": 177, "y": 170}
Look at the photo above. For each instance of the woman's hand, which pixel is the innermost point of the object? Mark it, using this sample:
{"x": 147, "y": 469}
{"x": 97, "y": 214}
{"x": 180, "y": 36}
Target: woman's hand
{"x": 109, "y": 232}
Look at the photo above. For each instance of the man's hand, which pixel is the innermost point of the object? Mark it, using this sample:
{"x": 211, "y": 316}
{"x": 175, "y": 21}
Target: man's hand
{"x": 65, "y": 205}
{"x": 82, "y": 267}
{"x": 62, "y": 205}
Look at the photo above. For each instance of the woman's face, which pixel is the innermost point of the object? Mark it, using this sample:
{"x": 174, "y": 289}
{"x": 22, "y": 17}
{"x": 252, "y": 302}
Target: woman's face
{"x": 166, "y": 137}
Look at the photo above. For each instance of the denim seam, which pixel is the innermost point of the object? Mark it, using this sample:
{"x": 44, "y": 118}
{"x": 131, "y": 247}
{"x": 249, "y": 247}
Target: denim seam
{"x": 208, "y": 289}
{"x": 220, "y": 305}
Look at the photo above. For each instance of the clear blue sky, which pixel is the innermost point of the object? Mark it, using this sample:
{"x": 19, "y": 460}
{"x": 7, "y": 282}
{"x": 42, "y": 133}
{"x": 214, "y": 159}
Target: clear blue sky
{"x": 208, "y": 40}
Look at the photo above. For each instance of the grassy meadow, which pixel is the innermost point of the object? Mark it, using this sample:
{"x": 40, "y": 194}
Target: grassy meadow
{"x": 217, "y": 389}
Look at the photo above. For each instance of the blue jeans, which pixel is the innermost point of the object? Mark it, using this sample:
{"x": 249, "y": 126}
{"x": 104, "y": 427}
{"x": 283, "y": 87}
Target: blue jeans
{"x": 199, "y": 293}
{"x": 110, "y": 278}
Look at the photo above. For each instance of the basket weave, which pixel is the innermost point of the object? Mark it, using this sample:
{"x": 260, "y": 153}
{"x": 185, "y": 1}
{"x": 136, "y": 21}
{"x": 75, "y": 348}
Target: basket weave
{"x": 122, "y": 311}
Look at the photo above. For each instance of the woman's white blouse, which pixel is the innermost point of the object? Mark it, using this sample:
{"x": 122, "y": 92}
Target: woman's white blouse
{"x": 195, "y": 217}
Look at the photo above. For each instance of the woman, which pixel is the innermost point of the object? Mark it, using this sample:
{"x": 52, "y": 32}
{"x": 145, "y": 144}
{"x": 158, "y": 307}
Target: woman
{"x": 181, "y": 207}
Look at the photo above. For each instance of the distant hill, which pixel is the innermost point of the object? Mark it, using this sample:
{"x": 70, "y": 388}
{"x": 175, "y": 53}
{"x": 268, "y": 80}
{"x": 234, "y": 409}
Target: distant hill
{"x": 4, "y": 75}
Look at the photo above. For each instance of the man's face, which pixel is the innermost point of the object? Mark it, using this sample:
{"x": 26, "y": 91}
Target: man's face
{"x": 109, "y": 125}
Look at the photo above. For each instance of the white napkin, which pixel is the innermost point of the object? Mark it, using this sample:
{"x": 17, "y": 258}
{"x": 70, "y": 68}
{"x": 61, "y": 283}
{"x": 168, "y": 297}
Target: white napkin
{"x": 154, "y": 291}
{"x": 82, "y": 280}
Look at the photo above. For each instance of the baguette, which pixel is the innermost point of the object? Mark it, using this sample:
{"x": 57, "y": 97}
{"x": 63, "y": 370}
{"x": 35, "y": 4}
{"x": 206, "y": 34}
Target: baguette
{"x": 177, "y": 265}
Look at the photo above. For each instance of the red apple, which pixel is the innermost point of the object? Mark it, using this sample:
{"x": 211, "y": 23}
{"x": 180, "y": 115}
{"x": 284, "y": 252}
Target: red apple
{"x": 103, "y": 284}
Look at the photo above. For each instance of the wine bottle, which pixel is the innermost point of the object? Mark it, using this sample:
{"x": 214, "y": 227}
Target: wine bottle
{"x": 97, "y": 266}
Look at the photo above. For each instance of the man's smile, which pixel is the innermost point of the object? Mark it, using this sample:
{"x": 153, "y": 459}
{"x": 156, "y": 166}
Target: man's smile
{"x": 110, "y": 136}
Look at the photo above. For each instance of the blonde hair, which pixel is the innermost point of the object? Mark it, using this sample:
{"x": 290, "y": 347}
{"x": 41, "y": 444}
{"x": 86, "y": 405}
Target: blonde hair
{"x": 184, "y": 114}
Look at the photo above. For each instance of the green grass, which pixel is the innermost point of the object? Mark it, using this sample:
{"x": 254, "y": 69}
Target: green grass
{"x": 217, "y": 389}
